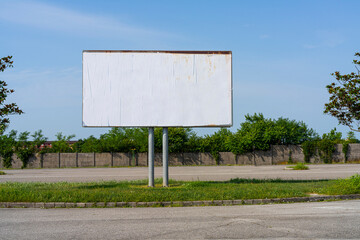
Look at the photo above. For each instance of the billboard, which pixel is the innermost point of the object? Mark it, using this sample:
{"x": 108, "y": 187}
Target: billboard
{"x": 157, "y": 88}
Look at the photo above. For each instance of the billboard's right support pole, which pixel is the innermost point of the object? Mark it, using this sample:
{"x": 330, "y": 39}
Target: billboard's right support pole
{"x": 165, "y": 157}
{"x": 151, "y": 156}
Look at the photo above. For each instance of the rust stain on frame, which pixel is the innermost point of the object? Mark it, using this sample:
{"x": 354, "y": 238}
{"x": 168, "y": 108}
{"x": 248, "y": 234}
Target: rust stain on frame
{"x": 161, "y": 51}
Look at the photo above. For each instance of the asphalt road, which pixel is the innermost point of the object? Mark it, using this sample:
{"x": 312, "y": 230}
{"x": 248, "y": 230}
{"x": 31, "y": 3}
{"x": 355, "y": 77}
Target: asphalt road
{"x": 216, "y": 173}
{"x": 320, "y": 220}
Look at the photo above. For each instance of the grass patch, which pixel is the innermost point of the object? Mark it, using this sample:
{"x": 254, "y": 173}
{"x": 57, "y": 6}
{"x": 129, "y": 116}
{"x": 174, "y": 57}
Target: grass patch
{"x": 2, "y": 173}
{"x": 299, "y": 166}
{"x": 137, "y": 191}
{"x": 345, "y": 186}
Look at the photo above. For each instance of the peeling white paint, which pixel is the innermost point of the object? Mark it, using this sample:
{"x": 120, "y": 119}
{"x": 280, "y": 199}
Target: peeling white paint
{"x": 157, "y": 89}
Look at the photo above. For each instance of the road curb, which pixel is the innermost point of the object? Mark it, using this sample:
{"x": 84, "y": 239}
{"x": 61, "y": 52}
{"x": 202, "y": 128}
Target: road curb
{"x": 176, "y": 203}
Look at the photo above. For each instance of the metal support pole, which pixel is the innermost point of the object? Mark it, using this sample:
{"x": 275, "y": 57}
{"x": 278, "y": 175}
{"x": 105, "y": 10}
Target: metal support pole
{"x": 165, "y": 157}
{"x": 151, "y": 156}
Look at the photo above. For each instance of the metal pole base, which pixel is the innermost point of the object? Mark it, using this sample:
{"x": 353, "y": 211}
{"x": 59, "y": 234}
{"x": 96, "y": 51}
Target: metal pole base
{"x": 165, "y": 158}
{"x": 151, "y": 156}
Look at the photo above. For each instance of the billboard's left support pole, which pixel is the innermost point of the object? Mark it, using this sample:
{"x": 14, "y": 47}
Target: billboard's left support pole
{"x": 151, "y": 156}
{"x": 165, "y": 157}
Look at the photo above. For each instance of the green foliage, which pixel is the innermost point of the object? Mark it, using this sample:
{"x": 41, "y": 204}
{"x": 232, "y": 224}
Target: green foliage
{"x": 218, "y": 142}
{"x": 90, "y": 144}
{"x": 258, "y": 133}
{"x": 344, "y": 101}
{"x": 309, "y": 150}
{"x": 38, "y": 139}
{"x": 300, "y": 166}
{"x": 349, "y": 185}
{"x": 290, "y": 161}
{"x": 325, "y": 146}
{"x": 10, "y": 108}
{"x": 351, "y": 138}
{"x": 61, "y": 143}
{"x": 7, "y": 148}
{"x": 2, "y": 173}
{"x": 180, "y": 140}
{"x": 24, "y": 149}
{"x": 333, "y": 135}
{"x": 345, "y": 150}
{"x": 345, "y": 144}
{"x": 124, "y": 140}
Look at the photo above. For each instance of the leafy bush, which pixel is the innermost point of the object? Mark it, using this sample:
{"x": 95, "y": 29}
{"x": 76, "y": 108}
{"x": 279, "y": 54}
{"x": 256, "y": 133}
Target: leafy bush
{"x": 259, "y": 133}
{"x": 7, "y": 148}
{"x": 218, "y": 142}
{"x": 349, "y": 185}
{"x": 61, "y": 143}
{"x": 300, "y": 166}
{"x": 326, "y": 149}
{"x": 124, "y": 140}
{"x": 309, "y": 150}
{"x": 24, "y": 149}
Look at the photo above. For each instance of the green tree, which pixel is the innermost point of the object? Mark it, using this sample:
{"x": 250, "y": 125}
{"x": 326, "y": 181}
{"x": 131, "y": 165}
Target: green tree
{"x": 350, "y": 137}
{"x": 217, "y": 142}
{"x": 179, "y": 140}
{"x": 344, "y": 98}
{"x": 38, "y": 139}
{"x": 9, "y": 108}
{"x": 61, "y": 144}
{"x": 333, "y": 135}
{"x": 259, "y": 133}
{"x": 24, "y": 149}
{"x": 7, "y": 147}
{"x": 90, "y": 144}
{"x": 124, "y": 140}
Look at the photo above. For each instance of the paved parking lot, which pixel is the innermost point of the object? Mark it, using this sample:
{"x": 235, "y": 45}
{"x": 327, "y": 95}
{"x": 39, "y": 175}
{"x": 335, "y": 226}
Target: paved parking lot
{"x": 216, "y": 173}
{"x": 320, "y": 220}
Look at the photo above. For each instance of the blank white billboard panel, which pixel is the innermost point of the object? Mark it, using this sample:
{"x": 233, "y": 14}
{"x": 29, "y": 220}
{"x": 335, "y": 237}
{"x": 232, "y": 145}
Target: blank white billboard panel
{"x": 157, "y": 89}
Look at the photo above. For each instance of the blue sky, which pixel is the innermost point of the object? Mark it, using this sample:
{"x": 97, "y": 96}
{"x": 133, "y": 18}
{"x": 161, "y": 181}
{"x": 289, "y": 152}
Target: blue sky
{"x": 283, "y": 52}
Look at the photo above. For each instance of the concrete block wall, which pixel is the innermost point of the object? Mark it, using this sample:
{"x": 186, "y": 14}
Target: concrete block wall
{"x": 86, "y": 160}
{"x": 35, "y": 161}
{"x": 207, "y": 159}
{"x": 141, "y": 159}
{"x": 121, "y": 159}
{"x": 354, "y": 152}
{"x": 51, "y": 160}
{"x": 262, "y": 158}
{"x": 184, "y": 159}
{"x": 16, "y": 162}
{"x": 191, "y": 159}
{"x": 297, "y": 154}
{"x": 227, "y": 158}
{"x": 103, "y": 160}
{"x": 338, "y": 155}
{"x": 278, "y": 154}
{"x": 68, "y": 160}
{"x": 175, "y": 159}
{"x": 245, "y": 159}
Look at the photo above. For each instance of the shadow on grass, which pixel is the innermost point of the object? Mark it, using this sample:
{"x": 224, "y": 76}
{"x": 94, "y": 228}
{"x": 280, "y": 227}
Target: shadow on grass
{"x": 122, "y": 184}
{"x": 102, "y": 185}
{"x": 174, "y": 183}
{"x": 277, "y": 180}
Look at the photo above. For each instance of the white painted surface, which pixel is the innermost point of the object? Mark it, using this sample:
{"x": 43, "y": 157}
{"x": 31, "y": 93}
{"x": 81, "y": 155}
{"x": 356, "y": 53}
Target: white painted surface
{"x": 158, "y": 89}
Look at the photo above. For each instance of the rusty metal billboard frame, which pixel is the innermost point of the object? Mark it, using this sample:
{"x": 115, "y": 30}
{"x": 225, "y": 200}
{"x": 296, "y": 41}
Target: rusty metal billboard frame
{"x": 163, "y": 51}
